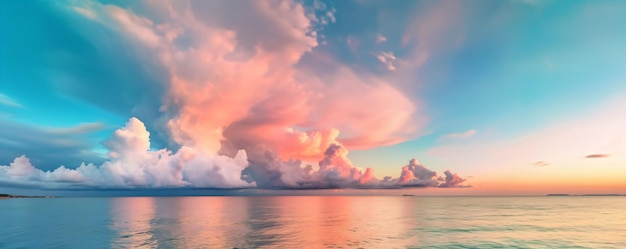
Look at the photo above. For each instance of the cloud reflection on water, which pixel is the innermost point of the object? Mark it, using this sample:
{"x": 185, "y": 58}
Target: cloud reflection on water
{"x": 245, "y": 222}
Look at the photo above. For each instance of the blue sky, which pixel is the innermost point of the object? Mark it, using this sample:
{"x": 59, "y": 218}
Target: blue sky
{"x": 477, "y": 75}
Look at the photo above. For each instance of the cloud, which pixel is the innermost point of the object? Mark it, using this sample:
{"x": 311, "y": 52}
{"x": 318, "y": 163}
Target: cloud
{"x": 186, "y": 66}
{"x": 541, "y": 164}
{"x": 49, "y": 146}
{"x": 229, "y": 129}
{"x": 415, "y": 174}
{"x": 387, "y": 58}
{"x": 131, "y": 164}
{"x": 451, "y": 180}
{"x": 86, "y": 12}
{"x": 597, "y": 156}
{"x": 326, "y": 15}
{"x": 7, "y": 101}
{"x": 208, "y": 100}
{"x": 336, "y": 171}
{"x": 82, "y": 128}
{"x": 380, "y": 39}
{"x": 463, "y": 135}
{"x": 436, "y": 28}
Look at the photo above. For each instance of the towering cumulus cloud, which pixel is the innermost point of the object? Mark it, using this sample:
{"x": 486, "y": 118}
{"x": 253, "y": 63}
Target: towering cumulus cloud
{"x": 132, "y": 165}
{"x": 240, "y": 106}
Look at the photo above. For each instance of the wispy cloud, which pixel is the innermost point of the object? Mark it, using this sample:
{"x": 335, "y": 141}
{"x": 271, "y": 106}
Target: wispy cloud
{"x": 597, "y": 156}
{"x": 6, "y": 100}
{"x": 83, "y": 128}
{"x": 462, "y": 135}
{"x": 380, "y": 39}
{"x": 89, "y": 13}
{"x": 47, "y": 146}
{"x": 434, "y": 30}
{"x": 541, "y": 164}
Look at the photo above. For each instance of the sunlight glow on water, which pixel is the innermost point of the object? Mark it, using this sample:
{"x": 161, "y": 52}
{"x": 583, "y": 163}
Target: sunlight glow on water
{"x": 314, "y": 222}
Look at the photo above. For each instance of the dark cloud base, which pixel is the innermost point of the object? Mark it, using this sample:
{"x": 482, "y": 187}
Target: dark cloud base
{"x": 597, "y": 156}
{"x": 191, "y": 192}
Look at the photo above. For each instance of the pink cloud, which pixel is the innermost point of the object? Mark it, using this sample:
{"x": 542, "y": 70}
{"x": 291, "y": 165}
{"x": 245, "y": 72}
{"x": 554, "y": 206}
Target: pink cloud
{"x": 380, "y": 39}
{"x": 242, "y": 109}
{"x": 451, "y": 180}
{"x": 435, "y": 30}
{"x": 462, "y": 135}
{"x": 210, "y": 97}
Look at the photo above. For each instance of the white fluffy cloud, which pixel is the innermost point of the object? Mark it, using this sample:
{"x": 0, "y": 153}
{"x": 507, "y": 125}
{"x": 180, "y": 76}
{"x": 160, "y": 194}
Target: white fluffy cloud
{"x": 133, "y": 165}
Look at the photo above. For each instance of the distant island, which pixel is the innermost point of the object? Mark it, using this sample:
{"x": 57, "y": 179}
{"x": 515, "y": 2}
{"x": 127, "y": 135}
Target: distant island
{"x": 7, "y": 196}
{"x": 585, "y": 195}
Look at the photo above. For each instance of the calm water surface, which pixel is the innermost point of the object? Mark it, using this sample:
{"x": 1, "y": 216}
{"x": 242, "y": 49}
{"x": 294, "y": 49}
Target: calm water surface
{"x": 314, "y": 222}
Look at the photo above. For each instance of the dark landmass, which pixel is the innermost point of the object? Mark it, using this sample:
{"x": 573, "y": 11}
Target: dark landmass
{"x": 7, "y": 196}
{"x": 558, "y": 195}
{"x": 603, "y": 195}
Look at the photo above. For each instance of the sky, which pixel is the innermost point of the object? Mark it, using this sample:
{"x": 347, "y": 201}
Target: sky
{"x": 425, "y": 97}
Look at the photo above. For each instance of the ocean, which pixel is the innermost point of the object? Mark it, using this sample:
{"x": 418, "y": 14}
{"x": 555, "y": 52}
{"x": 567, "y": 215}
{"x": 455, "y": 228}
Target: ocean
{"x": 314, "y": 222}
